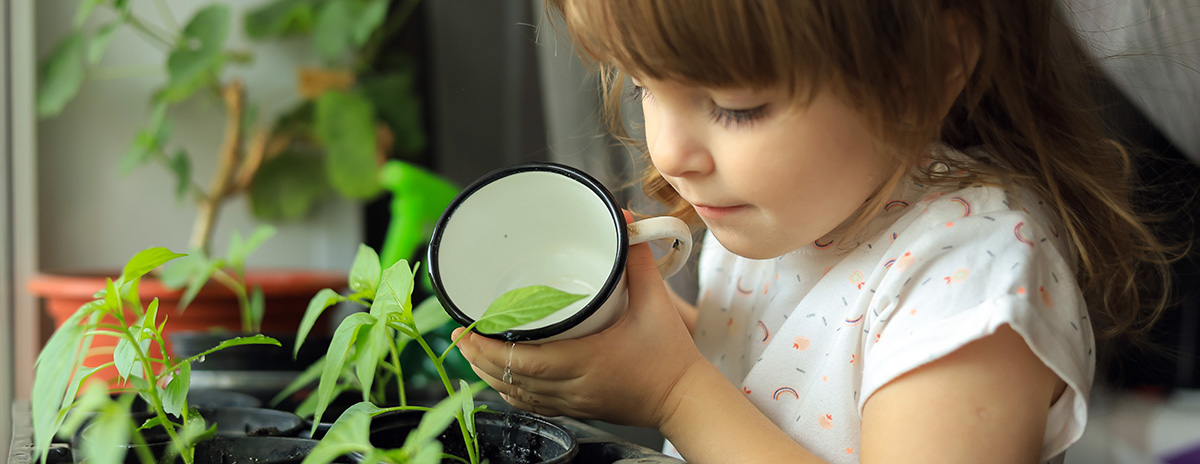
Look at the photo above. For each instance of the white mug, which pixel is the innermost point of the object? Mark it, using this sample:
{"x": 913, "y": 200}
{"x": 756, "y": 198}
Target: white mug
{"x": 542, "y": 224}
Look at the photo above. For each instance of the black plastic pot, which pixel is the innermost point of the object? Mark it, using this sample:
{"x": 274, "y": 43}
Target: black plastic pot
{"x": 231, "y": 423}
{"x": 258, "y": 450}
{"x": 531, "y": 439}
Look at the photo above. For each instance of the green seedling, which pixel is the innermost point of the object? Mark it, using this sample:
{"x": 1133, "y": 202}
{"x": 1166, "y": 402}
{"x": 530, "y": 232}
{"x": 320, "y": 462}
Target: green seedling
{"x": 368, "y": 344}
{"x": 160, "y": 380}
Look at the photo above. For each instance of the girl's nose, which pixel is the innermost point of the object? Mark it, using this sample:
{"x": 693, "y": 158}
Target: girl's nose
{"x": 678, "y": 148}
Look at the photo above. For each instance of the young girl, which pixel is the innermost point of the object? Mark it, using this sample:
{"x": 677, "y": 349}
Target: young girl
{"x": 916, "y": 234}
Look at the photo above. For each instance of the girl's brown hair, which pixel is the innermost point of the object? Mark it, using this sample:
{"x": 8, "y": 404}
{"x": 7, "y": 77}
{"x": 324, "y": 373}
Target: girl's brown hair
{"x": 1027, "y": 97}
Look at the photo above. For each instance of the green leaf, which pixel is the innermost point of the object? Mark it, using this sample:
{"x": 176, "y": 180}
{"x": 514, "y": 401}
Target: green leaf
{"x": 395, "y": 292}
{"x": 112, "y": 298}
{"x": 94, "y": 399}
{"x": 435, "y": 421}
{"x": 345, "y": 125}
{"x": 196, "y": 282}
{"x": 371, "y": 348}
{"x": 175, "y": 398}
{"x": 258, "y": 339}
{"x": 61, "y": 75}
{"x": 468, "y": 409}
{"x": 239, "y": 250}
{"x": 53, "y": 378}
{"x": 367, "y": 16}
{"x": 318, "y": 304}
{"x": 149, "y": 140}
{"x": 100, "y": 41}
{"x": 350, "y": 433}
{"x": 522, "y": 306}
{"x": 200, "y": 46}
{"x": 257, "y": 307}
{"x": 403, "y": 111}
{"x": 109, "y": 427}
{"x": 196, "y": 429}
{"x": 176, "y": 274}
{"x": 181, "y": 167}
{"x": 125, "y": 357}
{"x": 84, "y": 11}
{"x": 335, "y": 358}
{"x": 146, "y": 260}
{"x": 287, "y": 186}
{"x": 429, "y": 315}
{"x": 308, "y": 376}
{"x": 333, "y": 29}
{"x": 280, "y": 18}
{"x": 365, "y": 272}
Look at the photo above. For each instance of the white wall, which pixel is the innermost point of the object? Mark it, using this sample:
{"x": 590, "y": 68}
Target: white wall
{"x": 92, "y": 217}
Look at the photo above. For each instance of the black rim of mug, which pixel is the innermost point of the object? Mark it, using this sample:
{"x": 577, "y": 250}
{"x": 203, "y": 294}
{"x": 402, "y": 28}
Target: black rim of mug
{"x": 551, "y": 330}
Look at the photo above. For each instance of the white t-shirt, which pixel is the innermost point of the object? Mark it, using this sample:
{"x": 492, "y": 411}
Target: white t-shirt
{"x": 809, "y": 336}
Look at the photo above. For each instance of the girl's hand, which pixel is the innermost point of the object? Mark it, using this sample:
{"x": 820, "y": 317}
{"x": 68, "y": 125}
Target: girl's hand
{"x": 624, "y": 375}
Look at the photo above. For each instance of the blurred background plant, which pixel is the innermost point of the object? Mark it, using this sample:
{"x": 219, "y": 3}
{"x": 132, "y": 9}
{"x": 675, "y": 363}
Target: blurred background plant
{"x": 357, "y": 109}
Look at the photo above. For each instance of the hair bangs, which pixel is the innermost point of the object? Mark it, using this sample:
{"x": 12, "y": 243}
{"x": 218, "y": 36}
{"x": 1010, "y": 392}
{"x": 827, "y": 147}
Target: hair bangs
{"x": 712, "y": 43}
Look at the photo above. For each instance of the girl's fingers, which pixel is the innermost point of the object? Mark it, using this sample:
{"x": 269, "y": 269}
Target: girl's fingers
{"x": 496, "y": 357}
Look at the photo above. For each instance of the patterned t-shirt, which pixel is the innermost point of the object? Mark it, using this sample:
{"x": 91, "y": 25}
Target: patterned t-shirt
{"x": 809, "y": 336}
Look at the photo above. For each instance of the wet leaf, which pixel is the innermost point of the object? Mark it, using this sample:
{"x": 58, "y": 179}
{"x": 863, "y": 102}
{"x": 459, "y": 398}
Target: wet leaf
{"x": 395, "y": 292}
{"x": 365, "y": 272}
{"x": 251, "y": 340}
{"x": 522, "y": 306}
{"x": 175, "y": 398}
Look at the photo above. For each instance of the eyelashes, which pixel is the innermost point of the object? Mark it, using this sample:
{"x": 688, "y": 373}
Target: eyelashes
{"x": 722, "y": 116}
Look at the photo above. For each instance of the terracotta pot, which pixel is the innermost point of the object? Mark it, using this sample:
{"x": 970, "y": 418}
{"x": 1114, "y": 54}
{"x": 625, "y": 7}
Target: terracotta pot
{"x": 286, "y": 293}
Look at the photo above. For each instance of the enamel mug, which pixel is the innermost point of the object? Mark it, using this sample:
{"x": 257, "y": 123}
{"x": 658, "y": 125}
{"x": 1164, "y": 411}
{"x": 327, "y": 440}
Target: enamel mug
{"x": 543, "y": 224}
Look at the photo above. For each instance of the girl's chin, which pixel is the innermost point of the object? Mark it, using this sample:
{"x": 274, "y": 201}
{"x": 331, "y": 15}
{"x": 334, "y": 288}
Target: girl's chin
{"x": 750, "y": 245}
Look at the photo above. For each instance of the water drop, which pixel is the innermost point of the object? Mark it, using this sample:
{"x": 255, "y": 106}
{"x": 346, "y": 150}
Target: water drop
{"x": 200, "y": 359}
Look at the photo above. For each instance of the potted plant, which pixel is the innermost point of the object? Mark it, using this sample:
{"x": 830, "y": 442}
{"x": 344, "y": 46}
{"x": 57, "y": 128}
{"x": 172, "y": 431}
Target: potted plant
{"x": 364, "y": 356}
{"x": 171, "y": 427}
{"x": 331, "y": 138}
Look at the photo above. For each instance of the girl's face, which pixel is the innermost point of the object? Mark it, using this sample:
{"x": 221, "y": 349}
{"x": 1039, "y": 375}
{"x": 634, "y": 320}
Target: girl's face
{"x": 766, "y": 175}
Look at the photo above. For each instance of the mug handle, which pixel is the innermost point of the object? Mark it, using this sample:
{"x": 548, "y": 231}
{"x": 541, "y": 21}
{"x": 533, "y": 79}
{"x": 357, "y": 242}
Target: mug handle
{"x": 664, "y": 227}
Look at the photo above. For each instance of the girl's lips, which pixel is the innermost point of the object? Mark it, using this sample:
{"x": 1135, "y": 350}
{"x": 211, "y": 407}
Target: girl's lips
{"x": 717, "y": 212}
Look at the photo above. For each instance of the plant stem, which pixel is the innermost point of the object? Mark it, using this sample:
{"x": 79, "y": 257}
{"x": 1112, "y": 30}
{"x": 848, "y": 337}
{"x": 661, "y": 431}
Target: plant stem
{"x": 238, "y": 289}
{"x": 228, "y": 159}
{"x": 156, "y": 402}
{"x": 399, "y": 374}
{"x": 166, "y": 43}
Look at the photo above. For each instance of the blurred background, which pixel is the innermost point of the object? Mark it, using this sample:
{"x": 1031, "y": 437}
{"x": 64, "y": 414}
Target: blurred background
{"x": 97, "y": 167}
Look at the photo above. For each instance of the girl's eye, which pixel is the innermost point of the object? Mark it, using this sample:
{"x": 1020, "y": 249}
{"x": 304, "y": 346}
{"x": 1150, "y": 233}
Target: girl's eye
{"x": 637, "y": 93}
{"x": 738, "y": 118}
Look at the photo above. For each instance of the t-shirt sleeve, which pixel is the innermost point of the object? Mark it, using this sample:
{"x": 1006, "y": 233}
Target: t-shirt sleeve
{"x": 958, "y": 281}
